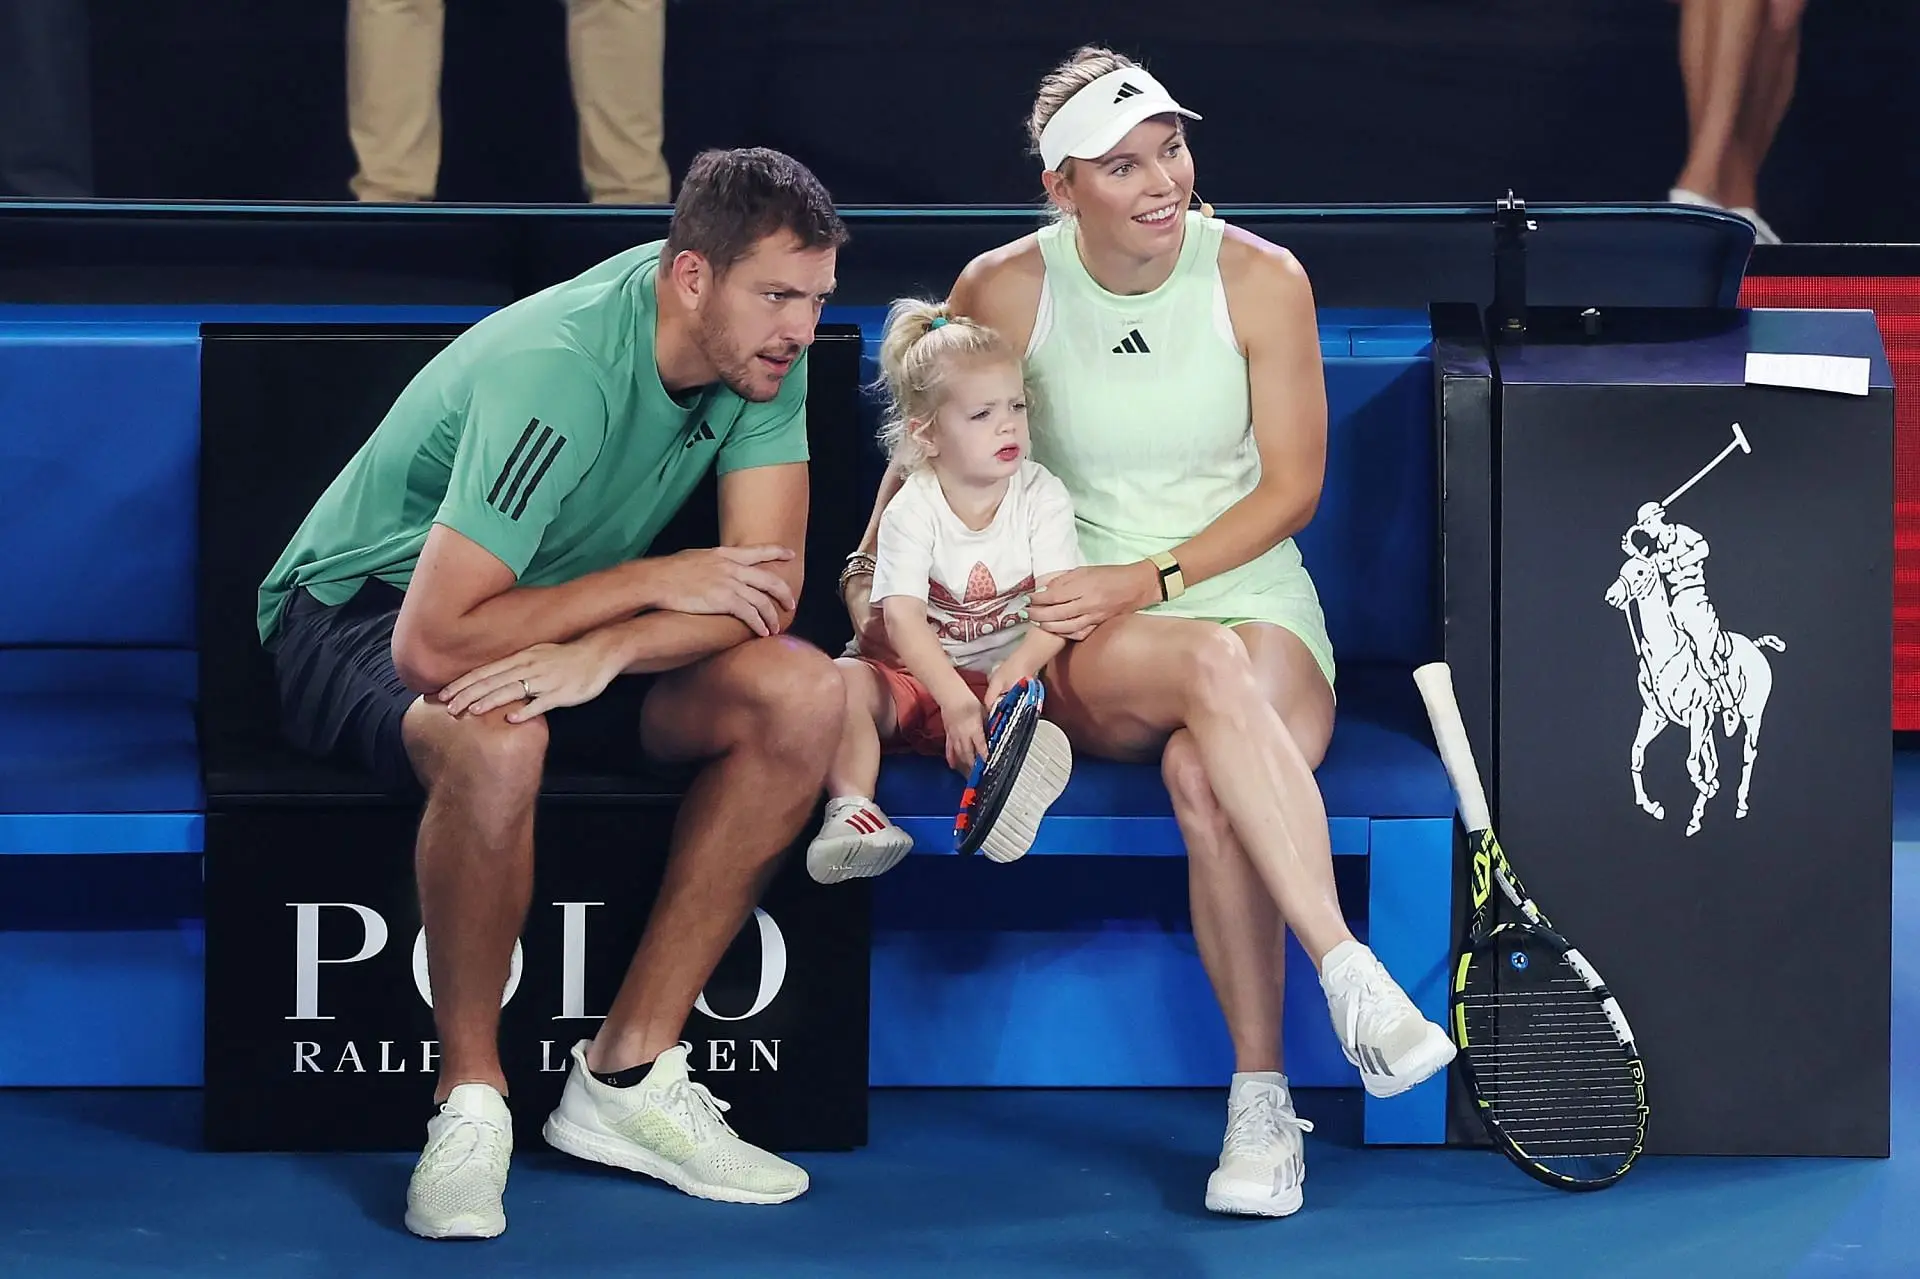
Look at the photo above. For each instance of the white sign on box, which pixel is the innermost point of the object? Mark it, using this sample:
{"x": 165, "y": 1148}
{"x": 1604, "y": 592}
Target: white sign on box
{"x": 1842, "y": 374}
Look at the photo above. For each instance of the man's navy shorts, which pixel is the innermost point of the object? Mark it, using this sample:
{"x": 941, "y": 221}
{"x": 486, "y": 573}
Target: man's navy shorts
{"x": 342, "y": 700}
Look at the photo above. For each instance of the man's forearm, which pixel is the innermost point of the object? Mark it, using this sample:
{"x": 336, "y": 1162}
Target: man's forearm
{"x": 663, "y": 641}
{"x": 517, "y": 619}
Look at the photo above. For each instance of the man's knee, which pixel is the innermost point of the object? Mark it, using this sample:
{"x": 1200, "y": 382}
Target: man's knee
{"x": 791, "y": 696}
{"x": 484, "y": 753}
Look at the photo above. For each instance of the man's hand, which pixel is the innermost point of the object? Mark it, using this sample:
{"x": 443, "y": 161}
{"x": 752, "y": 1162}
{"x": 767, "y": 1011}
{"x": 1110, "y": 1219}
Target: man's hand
{"x": 725, "y": 581}
{"x": 544, "y": 677}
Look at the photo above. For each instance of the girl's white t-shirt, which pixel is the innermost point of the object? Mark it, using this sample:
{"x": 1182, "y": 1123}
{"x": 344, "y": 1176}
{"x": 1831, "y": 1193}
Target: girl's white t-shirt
{"x": 975, "y": 583}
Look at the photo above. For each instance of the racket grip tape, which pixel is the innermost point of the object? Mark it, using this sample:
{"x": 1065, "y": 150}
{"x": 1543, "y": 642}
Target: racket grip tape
{"x": 1435, "y": 682}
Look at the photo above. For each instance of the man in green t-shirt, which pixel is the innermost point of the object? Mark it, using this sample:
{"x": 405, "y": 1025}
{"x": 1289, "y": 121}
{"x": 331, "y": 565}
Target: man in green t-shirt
{"x": 473, "y": 596}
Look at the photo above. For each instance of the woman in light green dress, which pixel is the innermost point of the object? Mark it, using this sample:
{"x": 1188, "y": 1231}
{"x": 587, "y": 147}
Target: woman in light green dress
{"x": 1177, "y": 392}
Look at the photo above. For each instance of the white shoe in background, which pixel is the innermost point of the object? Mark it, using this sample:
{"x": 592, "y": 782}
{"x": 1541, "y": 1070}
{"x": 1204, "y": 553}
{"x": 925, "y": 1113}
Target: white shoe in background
{"x": 1762, "y": 233}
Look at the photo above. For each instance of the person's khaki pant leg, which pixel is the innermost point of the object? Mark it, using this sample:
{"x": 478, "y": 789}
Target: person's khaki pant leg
{"x": 617, "y": 49}
{"x": 393, "y": 96}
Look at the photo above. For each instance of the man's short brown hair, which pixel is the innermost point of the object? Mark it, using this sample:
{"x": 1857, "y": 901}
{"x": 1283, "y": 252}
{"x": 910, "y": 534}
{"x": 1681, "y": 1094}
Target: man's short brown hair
{"x": 731, "y": 200}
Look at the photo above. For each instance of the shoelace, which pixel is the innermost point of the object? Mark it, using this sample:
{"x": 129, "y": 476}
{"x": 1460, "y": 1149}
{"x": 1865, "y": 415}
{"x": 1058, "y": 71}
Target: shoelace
{"x": 1259, "y": 1122}
{"x": 698, "y": 1108}
{"x": 1376, "y": 991}
{"x": 493, "y": 1152}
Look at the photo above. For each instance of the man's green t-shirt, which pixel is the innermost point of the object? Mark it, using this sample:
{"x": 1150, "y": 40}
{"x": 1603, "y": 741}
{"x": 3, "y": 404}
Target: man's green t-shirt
{"x": 543, "y": 434}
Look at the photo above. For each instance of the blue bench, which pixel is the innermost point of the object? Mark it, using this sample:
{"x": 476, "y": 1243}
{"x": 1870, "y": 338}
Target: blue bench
{"x": 1074, "y": 968}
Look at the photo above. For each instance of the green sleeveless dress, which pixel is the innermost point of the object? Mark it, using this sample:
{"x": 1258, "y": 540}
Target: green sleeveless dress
{"x": 1141, "y": 405}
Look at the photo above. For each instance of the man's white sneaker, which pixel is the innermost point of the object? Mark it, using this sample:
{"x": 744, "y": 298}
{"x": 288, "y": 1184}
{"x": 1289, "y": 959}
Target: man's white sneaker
{"x": 667, "y": 1126}
{"x": 856, "y": 841}
{"x": 1380, "y": 1030}
{"x": 457, "y": 1185}
{"x": 1263, "y": 1158}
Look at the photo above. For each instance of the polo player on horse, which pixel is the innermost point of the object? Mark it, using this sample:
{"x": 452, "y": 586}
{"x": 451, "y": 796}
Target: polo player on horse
{"x": 1680, "y": 554}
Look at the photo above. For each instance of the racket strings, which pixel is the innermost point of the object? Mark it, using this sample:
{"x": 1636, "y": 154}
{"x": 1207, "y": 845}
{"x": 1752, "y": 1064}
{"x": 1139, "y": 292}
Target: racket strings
{"x": 1547, "y": 1063}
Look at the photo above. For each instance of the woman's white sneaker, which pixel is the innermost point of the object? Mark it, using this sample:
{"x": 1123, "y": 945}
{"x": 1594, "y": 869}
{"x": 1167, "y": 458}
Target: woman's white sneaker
{"x": 669, "y": 1127}
{"x": 1263, "y": 1160}
{"x": 856, "y": 841}
{"x": 456, "y": 1188}
{"x": 1379, "y": 1028}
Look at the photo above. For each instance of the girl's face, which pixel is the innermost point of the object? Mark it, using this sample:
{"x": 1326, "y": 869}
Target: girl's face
{"x": 979, "y": 434}
{"x": 1133, "y": 196}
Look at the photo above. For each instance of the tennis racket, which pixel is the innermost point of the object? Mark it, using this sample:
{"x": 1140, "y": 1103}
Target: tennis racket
{"x": 1544, "y": 1048}
{"x": 1010, "y": 788}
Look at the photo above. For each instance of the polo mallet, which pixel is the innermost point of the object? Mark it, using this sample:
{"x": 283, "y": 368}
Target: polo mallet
{"x": 1010, "y": 788}
{"x": 1739, "y": 442}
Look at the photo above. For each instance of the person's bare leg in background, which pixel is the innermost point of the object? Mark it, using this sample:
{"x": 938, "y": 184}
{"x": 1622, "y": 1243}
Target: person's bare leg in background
{"x": 1739, "y": 60}
{"x": 1717, "y": 42}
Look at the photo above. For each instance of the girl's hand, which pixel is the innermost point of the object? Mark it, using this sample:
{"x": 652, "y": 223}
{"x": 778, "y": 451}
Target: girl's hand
{"x": 1005, "y": 676}
{"x": 966, "y": 724}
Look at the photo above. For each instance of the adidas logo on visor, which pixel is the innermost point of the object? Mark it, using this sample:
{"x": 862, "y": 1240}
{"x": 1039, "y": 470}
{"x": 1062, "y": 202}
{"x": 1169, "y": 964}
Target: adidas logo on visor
{"x": 1127, "y": 90}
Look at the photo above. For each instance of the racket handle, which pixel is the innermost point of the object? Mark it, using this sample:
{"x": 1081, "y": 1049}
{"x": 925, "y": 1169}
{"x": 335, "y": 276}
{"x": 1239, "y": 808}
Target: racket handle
{"x": 1435, "y": 682}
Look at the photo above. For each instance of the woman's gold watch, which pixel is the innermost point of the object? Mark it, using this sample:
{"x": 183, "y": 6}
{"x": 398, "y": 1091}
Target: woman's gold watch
{"x": 1172, "y": 584}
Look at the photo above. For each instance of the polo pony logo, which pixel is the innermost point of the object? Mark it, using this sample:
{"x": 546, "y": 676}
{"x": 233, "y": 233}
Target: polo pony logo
{"x": 1691, "y": 671}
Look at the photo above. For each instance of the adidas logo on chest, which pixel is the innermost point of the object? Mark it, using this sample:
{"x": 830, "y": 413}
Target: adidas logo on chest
{"x": 1134, "y": 343}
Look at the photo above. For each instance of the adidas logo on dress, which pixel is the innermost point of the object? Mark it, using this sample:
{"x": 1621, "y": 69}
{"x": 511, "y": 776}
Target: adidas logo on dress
{"x": 1132, "y": 344}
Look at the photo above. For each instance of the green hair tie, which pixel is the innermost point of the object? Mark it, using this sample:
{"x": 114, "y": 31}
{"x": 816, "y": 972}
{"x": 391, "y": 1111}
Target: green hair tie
{"x": 939, "y": 320}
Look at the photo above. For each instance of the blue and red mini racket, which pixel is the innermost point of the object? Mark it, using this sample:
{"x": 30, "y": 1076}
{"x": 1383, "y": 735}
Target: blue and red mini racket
{"x": 1026, "y": 767}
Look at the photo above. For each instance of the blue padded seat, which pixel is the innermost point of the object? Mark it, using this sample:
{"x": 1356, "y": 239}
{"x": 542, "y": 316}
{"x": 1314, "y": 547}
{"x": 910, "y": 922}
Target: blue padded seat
{"x": 94, "y": 753}
{"x": 1380, "y": 764}
{"x": 98, "y": 752}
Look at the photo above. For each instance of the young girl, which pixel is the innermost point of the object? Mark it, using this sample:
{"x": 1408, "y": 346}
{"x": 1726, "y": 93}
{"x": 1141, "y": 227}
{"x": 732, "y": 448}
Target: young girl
{"x": 976, "y": 529}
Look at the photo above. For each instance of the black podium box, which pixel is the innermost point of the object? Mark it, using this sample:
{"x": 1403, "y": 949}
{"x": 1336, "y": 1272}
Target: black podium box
{"x": 1730, "y": 875}
{"x": 320, "y": 1035}
{"x": 319, "y": 1027}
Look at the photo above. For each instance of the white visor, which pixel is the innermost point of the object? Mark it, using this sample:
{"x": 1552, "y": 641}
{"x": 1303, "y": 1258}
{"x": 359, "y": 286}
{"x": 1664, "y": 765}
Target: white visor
{"x": 1092, "y": 122}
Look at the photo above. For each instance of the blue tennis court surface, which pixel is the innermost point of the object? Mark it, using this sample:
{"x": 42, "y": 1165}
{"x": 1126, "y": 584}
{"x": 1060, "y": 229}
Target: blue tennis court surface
{"x": 1004, "y": 1183}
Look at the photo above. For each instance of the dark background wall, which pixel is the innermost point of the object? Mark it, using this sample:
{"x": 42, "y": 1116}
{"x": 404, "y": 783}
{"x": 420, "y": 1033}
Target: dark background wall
{"x": 909, "y": 101}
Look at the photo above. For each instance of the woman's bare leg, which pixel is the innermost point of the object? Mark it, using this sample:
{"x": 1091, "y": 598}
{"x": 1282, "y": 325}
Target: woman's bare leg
{"x": 1236, "y": 926}
{"x": 1123, "y": 691}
